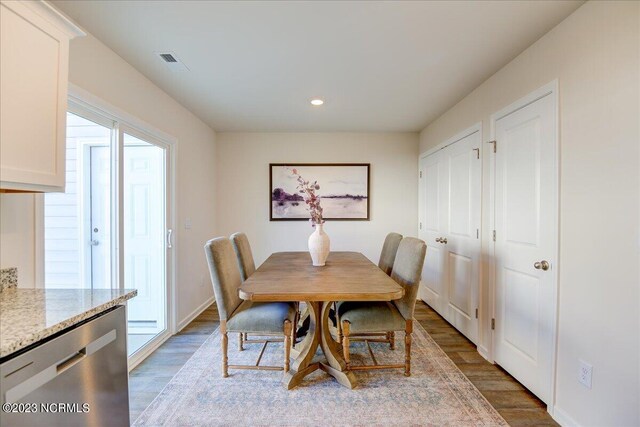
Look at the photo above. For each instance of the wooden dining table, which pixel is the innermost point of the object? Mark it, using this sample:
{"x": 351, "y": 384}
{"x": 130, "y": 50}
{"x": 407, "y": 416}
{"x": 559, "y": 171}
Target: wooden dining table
{"x": 346, "y": 276}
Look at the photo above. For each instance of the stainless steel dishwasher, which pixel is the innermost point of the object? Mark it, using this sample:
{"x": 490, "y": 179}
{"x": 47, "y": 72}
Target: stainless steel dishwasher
{"x": 77, "y": 378}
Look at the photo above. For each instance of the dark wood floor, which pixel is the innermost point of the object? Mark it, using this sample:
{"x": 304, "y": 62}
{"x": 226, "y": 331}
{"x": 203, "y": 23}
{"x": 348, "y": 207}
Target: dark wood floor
{"x": 515, "y": 403}
{"x": 148, "y": 379}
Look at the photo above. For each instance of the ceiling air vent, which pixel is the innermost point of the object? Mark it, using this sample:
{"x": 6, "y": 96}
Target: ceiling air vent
{"x": 168, "y": 57}
{"x": 171, "y": 61}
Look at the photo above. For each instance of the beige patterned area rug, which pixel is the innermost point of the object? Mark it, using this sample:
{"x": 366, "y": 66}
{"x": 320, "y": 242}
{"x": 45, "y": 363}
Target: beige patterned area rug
{"x": 436, "y": 394}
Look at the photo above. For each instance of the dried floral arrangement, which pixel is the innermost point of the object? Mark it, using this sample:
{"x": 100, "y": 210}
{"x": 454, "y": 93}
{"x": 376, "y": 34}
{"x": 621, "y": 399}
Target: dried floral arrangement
{"x": 312, "y": 200}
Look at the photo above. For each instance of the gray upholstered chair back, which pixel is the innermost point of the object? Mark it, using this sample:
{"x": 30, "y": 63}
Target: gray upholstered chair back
{"x": 407, "y": 270}
{"x": 388, "y": 254}
{"x": 244, "y": 255}
{"x": 225, "y": 275}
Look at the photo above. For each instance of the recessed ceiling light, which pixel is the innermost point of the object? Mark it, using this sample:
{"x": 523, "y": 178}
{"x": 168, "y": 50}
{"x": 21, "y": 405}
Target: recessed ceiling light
{"x": 317, "y": 102}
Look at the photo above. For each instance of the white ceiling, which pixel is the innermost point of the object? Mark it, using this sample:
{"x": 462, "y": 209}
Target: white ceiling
{"x": 380, "y": 66}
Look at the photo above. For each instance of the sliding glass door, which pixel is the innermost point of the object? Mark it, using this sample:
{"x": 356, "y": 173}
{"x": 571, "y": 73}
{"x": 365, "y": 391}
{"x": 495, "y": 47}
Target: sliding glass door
{"x": 110, "y": 229}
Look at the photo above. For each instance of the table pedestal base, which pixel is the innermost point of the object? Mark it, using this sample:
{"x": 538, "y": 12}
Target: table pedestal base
{"x": 318, "y": 335}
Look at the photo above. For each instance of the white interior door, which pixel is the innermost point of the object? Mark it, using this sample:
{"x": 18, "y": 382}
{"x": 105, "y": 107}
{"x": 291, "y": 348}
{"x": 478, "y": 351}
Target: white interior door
{"x": 450, "y": 225}
{"x": 461, "y": 243}
{"x": 526, "y": 239}
{"x": 434, "y": 203}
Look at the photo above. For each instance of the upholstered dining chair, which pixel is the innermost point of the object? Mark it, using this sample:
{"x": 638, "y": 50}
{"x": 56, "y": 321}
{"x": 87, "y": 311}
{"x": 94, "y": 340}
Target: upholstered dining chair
{"x": 388, "y": 253}
{"x": 247, "y": 267}
{"x": 359, "y": 318}
{"x": 387, "y": 257}
{"x": 243, "y": 254}
{"x": 236, "y": 315}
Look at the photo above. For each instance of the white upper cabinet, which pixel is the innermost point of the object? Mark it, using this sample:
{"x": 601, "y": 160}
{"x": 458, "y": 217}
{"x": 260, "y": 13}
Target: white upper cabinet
{"x": 34, "y": 62}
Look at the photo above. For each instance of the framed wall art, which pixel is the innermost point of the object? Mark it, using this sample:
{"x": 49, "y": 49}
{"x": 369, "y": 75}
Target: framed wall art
{"x": 344, "y": 190}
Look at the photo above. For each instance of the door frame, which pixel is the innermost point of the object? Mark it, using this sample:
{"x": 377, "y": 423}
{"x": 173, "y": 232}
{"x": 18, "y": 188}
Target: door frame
{"x": 476, "y": 127}
{"x": 96, "y": 109}
{"x": 550, "y": 89}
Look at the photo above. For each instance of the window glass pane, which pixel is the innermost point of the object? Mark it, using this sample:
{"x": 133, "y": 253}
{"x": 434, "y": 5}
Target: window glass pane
{"x": 77, "y": 223}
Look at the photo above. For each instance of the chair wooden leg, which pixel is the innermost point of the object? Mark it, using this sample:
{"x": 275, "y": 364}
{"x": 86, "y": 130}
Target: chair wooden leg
{"x": 225, "y": 344}
{"x": 407, "y": 348}
{"x": 392, "y": 340}
{"x": 240, "y": 339}
{"x": 345, "y": 343}
{"x": 287, "y": 343}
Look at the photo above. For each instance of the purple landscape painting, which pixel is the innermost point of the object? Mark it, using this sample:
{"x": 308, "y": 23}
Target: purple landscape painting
{"x": 344, "y": 190}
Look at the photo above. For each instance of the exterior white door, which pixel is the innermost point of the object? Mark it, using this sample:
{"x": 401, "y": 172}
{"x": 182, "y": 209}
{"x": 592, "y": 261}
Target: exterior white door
{"x": 526, "y": 242}
{"x": 450, "y": 224}
{"x": 144, "y": 231}
{"x": 100, "y": 215}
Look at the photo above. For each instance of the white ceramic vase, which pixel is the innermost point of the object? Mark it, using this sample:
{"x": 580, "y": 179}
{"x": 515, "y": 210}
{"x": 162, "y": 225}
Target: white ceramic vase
{"x": 319, "y": 246}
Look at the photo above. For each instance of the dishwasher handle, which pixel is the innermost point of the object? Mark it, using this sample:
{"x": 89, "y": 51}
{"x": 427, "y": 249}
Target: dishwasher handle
{"x": 71, "y": 360}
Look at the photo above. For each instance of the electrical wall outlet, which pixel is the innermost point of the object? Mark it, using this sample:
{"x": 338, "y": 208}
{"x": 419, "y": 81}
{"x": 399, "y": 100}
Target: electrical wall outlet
{"x": 187, "y": 224}
{"x": 584, "y": 373}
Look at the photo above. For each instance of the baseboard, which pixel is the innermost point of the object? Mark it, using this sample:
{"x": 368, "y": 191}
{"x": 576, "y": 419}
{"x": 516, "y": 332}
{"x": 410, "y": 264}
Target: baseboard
{"x": 484, "y": 352}
{"x": 195, "y": 313}
{"x": 562, "y": 418}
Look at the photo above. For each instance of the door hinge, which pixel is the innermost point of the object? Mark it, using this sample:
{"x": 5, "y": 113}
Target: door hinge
{"x": 477, "y": 150}
{"x": 477, "y": 233}
{"x": 420, "y": 174}
{"x": 420, "y": 226}
{"x": 495, "y": 145}
{"x": 494, "y": 235}
{"x": 493, "y": 324}
{"x": 476, "y": 313}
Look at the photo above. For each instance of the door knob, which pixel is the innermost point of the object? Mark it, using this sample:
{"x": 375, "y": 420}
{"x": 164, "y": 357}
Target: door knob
{"x": 438, "y": 239}
{"x": 541, "y": 265}
{"x": 443, "y": 240}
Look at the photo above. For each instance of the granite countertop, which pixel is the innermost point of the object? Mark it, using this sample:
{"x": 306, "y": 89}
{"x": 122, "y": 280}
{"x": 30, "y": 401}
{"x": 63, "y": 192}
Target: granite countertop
{"x": 29, "y": 315}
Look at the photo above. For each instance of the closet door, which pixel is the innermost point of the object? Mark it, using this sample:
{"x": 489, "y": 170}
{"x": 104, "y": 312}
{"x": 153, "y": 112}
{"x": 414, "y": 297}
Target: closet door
{"x": 526, "y": 243}
{"x": 461, "y": 242}
{"x": 433, "y": 207}
{"x": 450, "y": 190}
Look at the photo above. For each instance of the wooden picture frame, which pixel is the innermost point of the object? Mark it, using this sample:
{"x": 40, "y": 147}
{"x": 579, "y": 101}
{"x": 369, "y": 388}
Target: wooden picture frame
{"x": 345, "y": 196}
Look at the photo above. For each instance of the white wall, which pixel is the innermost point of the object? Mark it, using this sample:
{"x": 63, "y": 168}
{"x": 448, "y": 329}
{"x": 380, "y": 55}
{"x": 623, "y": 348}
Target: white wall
{"x": 594, "y": 54}
{"x": 244, "y": 194}
{"x": 97, "y": 69}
